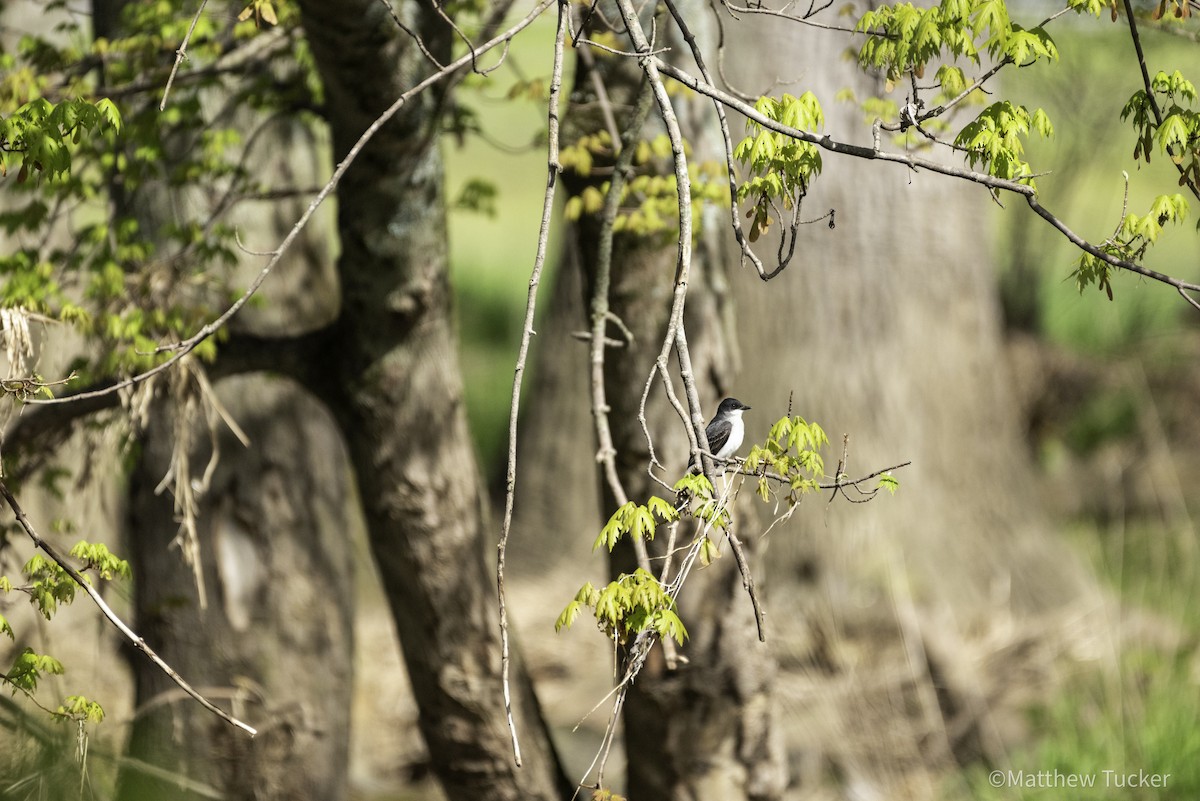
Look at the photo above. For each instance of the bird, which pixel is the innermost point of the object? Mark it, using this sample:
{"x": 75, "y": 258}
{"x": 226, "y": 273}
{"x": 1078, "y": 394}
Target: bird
{"x": 725, "y": 431}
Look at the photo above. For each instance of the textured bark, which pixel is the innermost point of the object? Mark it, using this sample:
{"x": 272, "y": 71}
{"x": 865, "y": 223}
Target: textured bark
{"x": 403, "y": 406}
{"x": 275, "y": 640}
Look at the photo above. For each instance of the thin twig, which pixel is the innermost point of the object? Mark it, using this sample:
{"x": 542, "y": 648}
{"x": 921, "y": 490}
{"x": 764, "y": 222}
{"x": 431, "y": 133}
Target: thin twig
{"x": 412, "y": 34}
{"x": 622, "y": 53}
{"x": 188, "y": 345}
{"x": 606, "y": 109}
{"x": 739, "y": 556}
{"x": 606, "y": 451}
{"x": 803, "y": 20}
{"x": 180, "y": 55}
{"x": 133, "y": 637}
{"x": 601, "y": 314}
{"x": 553, "y": 168}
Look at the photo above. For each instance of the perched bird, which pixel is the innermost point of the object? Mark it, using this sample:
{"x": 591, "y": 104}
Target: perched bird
{"x": 726, "y": 430}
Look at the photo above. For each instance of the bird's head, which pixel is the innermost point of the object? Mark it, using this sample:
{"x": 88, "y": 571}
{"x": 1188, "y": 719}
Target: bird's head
{"x": 732, "y": 407}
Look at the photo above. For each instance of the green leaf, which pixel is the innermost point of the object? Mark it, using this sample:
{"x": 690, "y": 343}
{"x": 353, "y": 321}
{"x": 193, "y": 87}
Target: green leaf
{"x": 643, "y": 524}
{"x": 80, "y": 708}
{"x": 888, "y": 481}
{"x": 668, "y": 624}
{"x": 568, "y": 616}
{"x": 1174, "y": 132}
{"x": 662, "y": 508}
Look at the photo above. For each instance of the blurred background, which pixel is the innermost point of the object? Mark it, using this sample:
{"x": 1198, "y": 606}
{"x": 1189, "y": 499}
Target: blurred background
{"x": 1107, "y": 395}
{"x": 1076, "y": 654}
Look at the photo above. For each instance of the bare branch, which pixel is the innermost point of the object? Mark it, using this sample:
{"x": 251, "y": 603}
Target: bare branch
{"x": 553, "y": 168}
{"x": 180, "y": 55}
{"x": 133, "y": 637}
{"x": 802, "y": 19}
{"x": 601, "y": 313}
{"x": 412, "y": 35}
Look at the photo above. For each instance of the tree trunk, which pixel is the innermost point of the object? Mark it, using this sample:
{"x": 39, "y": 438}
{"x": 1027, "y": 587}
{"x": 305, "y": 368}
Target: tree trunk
{"x": 900, "y": 624}
{"x": 403, "y": 406}
{"x": 274, "y": 643}
{"x": 888, "y": 328}
{"x": 705, "y": 729}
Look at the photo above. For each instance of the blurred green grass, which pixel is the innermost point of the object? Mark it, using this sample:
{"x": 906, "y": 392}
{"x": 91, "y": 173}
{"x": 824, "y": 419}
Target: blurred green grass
{"x": 1139, "y": 712}
{"x": 492, "y": 255}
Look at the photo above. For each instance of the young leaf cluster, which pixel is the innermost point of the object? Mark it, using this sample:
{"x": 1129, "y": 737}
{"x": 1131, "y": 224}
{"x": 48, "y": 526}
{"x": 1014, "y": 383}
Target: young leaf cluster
{"x": 994, "y": 139}
{"x": 39, "y": 135}
{"x": 633, "y": 603}
{"x": 779, "y": 168}
{"x": 1178, "y": 137}
{"x": 792, "y": 453}
{"x": 637, "y": 521}
{"x": 904, "y": 38}
{"x": 907, "y": 40}
{"x": 649, "y": 204}
{"x": 29, "y": 667}
{"x": 48, "y": 586}
{"x": 702, "y": 499}
{"x": 1135, "y": 236}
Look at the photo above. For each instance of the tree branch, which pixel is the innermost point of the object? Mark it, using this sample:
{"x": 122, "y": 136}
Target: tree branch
{"x": 180, "y": 55}
{"x": 730, "y": 169}
{"x": 827, "y": 142}
{"x": 1158, "y": 118}
{"x": 553, "y": 167}
{"x": 133, "y": 637}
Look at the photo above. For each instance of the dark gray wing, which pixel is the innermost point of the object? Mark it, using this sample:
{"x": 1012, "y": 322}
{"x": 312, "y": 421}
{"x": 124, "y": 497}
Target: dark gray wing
{"x": 718, "y": 434}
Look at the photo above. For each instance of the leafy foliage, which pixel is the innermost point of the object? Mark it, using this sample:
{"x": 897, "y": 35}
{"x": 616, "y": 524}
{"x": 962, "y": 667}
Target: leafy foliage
{"x": 1134, "y": 236}
{"x": 993, "y": 139}
{"x": 29, "y": 667}
{"x": 631, "y": 604}
{"x": 906, "y": 38}
{"x": 780, "y": 168}
{"x": 48, "y": 586}
{"x": 649, "y": 204}
{"x": 1178, "y": 135}
{"x": 792, "y": 451}
{"x": 636, "y": 521}
{"x": 790, "y": 457}
{"x": 80, "y": 251}
{"x": 39, "y": 134}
